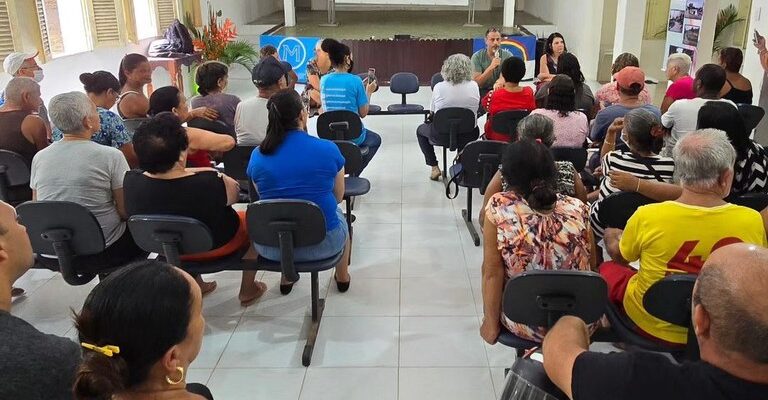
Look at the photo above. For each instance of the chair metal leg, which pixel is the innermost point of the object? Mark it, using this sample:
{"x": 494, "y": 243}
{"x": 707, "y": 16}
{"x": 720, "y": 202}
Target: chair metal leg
{"x": 318, "y": 305}
{"x": 466, "y": 214}
{"x": 445, "y": 162}
{"x": 349, "y": 226}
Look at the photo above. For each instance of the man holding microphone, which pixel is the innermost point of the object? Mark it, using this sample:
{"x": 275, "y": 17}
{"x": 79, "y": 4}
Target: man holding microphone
{"x": 486, "y": 62}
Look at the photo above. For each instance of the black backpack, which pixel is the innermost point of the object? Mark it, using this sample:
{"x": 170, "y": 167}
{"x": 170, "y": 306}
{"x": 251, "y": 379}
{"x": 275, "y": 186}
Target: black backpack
{"x": 177, "y": 42}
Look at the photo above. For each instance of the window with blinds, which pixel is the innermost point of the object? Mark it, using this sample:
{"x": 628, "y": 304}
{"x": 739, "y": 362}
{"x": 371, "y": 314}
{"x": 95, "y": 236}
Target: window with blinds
{"x": 43, "y": 28}
{"x": 6, "y": 38}
{"x": 106, "y": 25}
{"x": 166, "y": 13}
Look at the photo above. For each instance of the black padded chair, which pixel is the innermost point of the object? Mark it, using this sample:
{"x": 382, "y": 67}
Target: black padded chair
{"x": 540, "y": 298}
{"x": 752, "y": 115}
{"x": 213, "y": 126}
{"x": 372, "y": 108}
{"x": 616, "y": 209}
{"x": 756, "y": 201}
{"x": 354, "y": 185}
{"x": 236, "y": 166}
{"x": 577, "y": 156}
{"x": 404, "y": 83}
{"x": 14, "y": 173}
{"x": 505, "y": 122}
{"x": 173, "y": 236}
{"x": 436, "y": 78}
{"x": 61, "y": 233}
{"x": 449, "y": 123}
{"x": 479, "y": 161}
{"x": 132, "y": 123}
{"x": 289, "y": 224}
{"x": 669, "y": 299}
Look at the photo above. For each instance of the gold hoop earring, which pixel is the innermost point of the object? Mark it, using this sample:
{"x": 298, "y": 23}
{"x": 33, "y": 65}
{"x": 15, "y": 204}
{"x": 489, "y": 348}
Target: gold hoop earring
{"x": 181, "y": 379}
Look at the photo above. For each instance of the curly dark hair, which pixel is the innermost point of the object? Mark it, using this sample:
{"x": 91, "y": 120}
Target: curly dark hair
{"x": 562, "y": 95}
{"x": 158, "y": 143}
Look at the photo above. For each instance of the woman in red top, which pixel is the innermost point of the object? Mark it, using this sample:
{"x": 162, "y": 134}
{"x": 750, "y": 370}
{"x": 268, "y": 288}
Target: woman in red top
{"x": 511, "y": 96}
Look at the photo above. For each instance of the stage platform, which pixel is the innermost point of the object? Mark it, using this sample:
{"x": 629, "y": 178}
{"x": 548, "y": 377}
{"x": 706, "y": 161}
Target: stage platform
{"x": 385, "y": 24}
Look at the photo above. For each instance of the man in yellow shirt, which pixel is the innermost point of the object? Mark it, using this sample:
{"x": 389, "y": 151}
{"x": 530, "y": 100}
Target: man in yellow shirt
{"x": 676, "y": 237}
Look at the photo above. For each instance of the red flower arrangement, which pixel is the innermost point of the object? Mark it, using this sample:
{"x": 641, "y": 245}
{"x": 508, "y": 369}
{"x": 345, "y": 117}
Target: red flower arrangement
{"x": 215, "y": 37}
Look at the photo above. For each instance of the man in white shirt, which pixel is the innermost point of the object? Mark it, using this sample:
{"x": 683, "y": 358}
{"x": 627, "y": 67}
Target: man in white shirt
{"x": 683, "y": 114}
{"x": 251, "y": 116}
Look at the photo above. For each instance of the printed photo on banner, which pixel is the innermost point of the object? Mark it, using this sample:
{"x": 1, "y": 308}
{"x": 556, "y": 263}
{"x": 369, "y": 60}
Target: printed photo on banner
{"x": 676, "y": 21}
{"x": 677, "y": 49}
{"x": 691, "y": 35}
{"x": 694, "y": 9}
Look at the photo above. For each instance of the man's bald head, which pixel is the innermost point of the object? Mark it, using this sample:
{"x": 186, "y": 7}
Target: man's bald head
{"x": 731, "y": 288}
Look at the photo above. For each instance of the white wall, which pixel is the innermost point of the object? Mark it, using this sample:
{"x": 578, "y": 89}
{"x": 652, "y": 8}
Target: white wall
{"x": 581, "y": 25}
{"x": 752, "y": 68}
{"x": 242, "y": 12}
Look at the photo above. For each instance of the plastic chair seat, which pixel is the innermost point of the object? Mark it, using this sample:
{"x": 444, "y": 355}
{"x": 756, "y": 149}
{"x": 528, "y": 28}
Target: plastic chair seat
{"x": 508, "y": 338}
{"x": 373, "y": 109}
{"x": 301, "y": 267}
{"x": 625, "y": 329}
{"x": 405, "y": 108}
{"x": 232, "y": 262}
{"x": 356, "y": 186}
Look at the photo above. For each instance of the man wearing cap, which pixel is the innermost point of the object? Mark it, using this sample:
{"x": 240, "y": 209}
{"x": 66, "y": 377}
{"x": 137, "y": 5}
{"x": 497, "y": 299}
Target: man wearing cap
{"x": 630, "y": 81}
{"x": 271, "y": 51}
{"x": 251, "y": 116}
{"x": 24, "y": 65}
{"x": 683, "y": 114}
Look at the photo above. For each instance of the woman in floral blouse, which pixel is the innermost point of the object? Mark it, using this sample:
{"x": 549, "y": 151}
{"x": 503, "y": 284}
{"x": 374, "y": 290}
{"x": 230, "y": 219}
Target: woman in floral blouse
{"x": 536, "y": 228}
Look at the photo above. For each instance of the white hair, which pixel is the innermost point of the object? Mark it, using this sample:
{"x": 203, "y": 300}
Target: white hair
{"x": 17, "y": 87}
{"x": 701, "y": 157}
{"x": 68, "y": 110}
{"x": 680, "y": 60}
{"x": 457, "y": 68}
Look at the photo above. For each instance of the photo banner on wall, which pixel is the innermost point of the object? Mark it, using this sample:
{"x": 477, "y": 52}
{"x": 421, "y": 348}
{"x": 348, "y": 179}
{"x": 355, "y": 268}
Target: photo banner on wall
{"x": 297, "y": 51}
{"x": 683, "y": 29}
{"x": 520, "y": 46}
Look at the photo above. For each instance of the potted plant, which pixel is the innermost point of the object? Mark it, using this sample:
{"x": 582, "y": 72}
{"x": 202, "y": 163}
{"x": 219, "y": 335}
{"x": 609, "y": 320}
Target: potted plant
{"x": 727, "y": 19}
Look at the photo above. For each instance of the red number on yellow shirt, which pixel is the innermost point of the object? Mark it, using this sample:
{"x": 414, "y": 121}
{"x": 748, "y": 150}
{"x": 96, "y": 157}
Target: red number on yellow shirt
{"x": 683, "y": 260}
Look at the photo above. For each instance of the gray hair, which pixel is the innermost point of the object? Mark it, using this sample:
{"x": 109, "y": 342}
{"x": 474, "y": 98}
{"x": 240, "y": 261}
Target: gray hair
{"x": 537, "y": 126}
{"x": 680, "y": 60}
{"x": 701, "y": 157}
{"x": 457, "y": 68}
{"x": 638, "y": 124}
{"x": 17, "y": 87}
{"x": 68, "y": 110}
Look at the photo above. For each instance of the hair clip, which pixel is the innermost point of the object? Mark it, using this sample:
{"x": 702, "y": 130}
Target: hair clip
{"x": 107, "y": 350}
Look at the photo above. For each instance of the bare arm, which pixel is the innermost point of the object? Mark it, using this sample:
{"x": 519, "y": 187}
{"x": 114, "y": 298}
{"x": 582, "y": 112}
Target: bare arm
{"x": 34, "y": 130}
{"x": 117, "y": 195}
{"x": 666, "y": 103}
{"x": 314, "y": 94}
{"x": 292, "y": 79}
{"x": 578, "y": 187}
{"x": 130, "y": 155}
{"x": 544, "y": 74}
{"x": 200, "y": 139}
{"x": 658, "y": 191}
{"x": 481, "y": 78}
{"x": 494, "y": 186}
{"x": 563, "y": 343}
{"x": 612, "y": 238}
{"x": 592, "y": 251}
{"x": 338, "y": 186}
{"x": 492, "y": 285}
{"x": 134, "y": 106}
{"x": 233, "y": 189}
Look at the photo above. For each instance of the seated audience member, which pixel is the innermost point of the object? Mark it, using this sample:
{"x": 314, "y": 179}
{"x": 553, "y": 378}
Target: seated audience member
{"x": 737, "y": 88}
{"x": 24, "y": 349}
{"x": 279, "y": 172}
{"x": 103, "y": 89}
{"x": 140, "y": 329}
{"x": 212, "y": 78}
{"x": 22, "y": 130}
{"x": 317, "y": 68}
{"x": 342, "y": 90}
{"x": 640, "y": 129}
{"x": 678, "y": 236}
{"x": 549, "y": 61}
{"x": 510, "y": 96}
{"x": 529, "y": 227}
{"x": 571, "y": 126}
{"x": 79, "y": 170}
{"x": 630, "y": 82}
{"x": 539, "y": 128}
{"x": 486, "y": 62}
{"x": 751, "y": 167}
{"x": 683, "y": 114}
{"x": 134, "y": 74}
{"x": 20, "y": 65}
{"x": 251, "y": 117}
{"x": 609, "y": 94}
{"x": 730, "y": 323}
{"x": 569, "y": 66}
{"x": 271, "y": 51}
{"x": 678, "y": 71}
{"x": 201, "y": 141}
{"x": 456, "y": 90}
{"x": 164, "y": 185}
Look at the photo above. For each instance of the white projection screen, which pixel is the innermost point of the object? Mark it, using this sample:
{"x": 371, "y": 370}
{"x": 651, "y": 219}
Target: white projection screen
{"x": 408, "y": 2}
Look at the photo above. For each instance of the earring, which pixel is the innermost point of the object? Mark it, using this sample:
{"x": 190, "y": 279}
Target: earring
{"x": 181, "y": 379}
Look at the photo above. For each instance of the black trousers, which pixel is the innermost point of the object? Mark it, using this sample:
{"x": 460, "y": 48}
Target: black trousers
{"x": 426, "y": 135}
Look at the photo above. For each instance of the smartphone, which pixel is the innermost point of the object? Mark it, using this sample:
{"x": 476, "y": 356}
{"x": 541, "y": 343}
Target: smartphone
{"x": 371, "y": 75}
{"x": 754, "y": 37}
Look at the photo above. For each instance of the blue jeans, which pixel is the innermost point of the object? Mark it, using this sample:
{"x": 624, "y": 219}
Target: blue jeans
{"x": 333, "y": 244}
{"x": 373, "y": 142}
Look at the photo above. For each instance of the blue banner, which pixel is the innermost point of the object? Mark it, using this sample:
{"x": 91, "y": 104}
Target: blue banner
{"x": 520, "y": 46}
{"x": 296, "y": 51}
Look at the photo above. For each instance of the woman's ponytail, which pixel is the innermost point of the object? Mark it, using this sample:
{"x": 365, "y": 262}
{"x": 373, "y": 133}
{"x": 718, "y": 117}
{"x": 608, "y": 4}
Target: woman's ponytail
{"x": 100, "y": 377}
{"x": 284, "y": 109}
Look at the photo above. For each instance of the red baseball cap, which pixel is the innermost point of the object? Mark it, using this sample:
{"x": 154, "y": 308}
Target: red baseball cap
{"x": 629, "y": 76}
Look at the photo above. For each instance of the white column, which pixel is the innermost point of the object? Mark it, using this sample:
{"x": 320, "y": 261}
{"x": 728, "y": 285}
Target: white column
{"x": 630, "y": 24}
{"x": 509, "y": 13}
{"x": 289, "y": 8}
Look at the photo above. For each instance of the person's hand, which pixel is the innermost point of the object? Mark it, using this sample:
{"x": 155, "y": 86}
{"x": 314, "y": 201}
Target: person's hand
{"x": 490, "y": 330}
{"x": 370, "y": 86}
{"x": 204, "y": 112}
{"x": 498, "y": 84}
{"x": 616, "y": 126}
{"x": 495, "y": 63}
{"x": 760, "y": 42}
{"x": 623, "y": 181}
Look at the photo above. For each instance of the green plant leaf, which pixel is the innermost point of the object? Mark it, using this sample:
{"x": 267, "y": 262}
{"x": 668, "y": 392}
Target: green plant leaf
{"x": 239, "y": 52}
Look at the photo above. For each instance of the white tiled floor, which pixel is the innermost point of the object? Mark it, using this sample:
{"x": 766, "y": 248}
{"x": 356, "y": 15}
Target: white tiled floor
{"x": 408, "y": 328}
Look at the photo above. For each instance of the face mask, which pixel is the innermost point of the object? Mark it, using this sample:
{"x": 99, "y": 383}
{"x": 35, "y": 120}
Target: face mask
{"x": 39, "y": 76}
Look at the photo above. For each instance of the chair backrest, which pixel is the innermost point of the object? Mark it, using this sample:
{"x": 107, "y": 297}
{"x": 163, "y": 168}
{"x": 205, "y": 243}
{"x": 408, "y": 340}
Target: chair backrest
{"x": 14, "y": 171}
{"x": 751, "y": 114}
{"x": 541, "y": 297}
{"x": 436, "y": 78}
{"x": 351, "y": 131}
{"x": 480, "y": 160}
{"x": 353, "y": 158}
{"x": 670, "y": 299}
{"x": 756, "y": 201}
{"x": 505, "y": 122}
{"x": 213, "y": 126}
{"x": 616, "y": 209}
{"x": 404, "y": 83}
{"x": 132, "y": 123}
{"x": 450, "y": 122}
{"x": 236, "y": 162}
{"x": 576, "y": 155}
{"x": 170, "y": 235}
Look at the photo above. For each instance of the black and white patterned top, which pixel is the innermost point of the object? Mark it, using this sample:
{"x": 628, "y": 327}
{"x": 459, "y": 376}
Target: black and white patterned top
{"x": 751, "y": 173}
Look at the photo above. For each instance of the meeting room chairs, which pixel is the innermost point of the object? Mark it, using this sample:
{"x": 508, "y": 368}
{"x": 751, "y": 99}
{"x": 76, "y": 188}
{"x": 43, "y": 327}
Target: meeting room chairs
{"x": 354, "y": 184}
{"x": 404, "y": 83}
{"x": 14, "y": 173}
{"x": 505, "y": 122}
{"x": 449, "y": 123}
